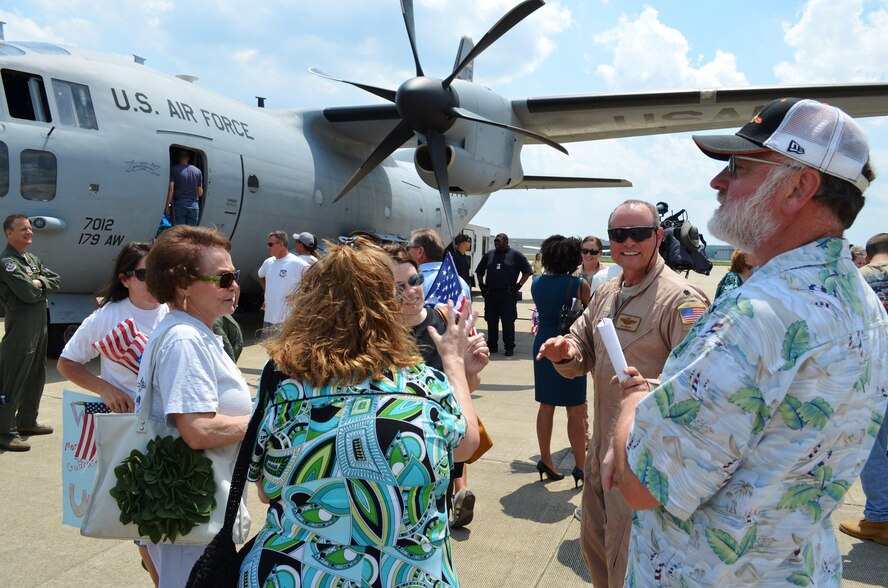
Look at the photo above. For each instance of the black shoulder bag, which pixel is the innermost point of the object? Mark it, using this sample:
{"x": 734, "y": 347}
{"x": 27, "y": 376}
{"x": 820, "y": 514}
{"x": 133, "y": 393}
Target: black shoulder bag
{"x": 569, "y": 314}
{"x": 220, "y": 563}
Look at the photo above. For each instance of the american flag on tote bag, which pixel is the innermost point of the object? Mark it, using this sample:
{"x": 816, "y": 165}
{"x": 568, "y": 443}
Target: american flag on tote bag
{"x": 86, "y": 447}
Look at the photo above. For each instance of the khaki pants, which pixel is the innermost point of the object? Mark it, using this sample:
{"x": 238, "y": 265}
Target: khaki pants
{"x": 606, "y": 524}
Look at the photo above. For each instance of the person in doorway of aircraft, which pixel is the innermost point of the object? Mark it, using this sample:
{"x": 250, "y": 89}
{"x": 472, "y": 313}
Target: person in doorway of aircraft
{"x": 306, "y": 247}
{"x": 185, "y": 192}
{"x": 735, "y": 461}
{"x": 501, "y": 274}
{"x": 279, "y": 275}
{"x": 652, "y": 309}
{"x": 24, "y": 284}
{"x": 117, "y": 333}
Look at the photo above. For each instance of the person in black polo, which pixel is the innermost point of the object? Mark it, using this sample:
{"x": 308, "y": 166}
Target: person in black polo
{"x": 501, "y": 267}
{"x": 461, "y": 259}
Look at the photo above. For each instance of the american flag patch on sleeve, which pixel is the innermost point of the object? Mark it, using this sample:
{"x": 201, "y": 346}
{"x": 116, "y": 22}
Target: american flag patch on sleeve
{"x": 690, "y": 312}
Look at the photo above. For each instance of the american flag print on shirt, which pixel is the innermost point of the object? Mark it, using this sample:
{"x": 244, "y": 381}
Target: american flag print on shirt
{"x": 447, "y": 287}
{"x": 123, "y": 345}
{"x": 86, "y": 447}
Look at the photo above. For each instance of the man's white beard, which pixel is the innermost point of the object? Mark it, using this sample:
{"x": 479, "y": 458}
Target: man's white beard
{"x": 748, "y": 223}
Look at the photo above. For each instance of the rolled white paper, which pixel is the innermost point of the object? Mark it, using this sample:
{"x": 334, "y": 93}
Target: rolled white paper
{"x": 612, "y": 344}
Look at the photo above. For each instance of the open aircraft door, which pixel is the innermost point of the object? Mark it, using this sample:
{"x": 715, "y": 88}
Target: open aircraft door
{"x": 223, "y": 191}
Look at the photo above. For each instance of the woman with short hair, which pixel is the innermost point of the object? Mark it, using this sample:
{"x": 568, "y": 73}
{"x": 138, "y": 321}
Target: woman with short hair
{"x": 196, "y": 385}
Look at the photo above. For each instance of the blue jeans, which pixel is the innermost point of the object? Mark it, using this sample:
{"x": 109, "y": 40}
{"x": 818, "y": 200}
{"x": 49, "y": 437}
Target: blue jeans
{"x": 874, "y": 478}
{"x": 185, "y": 213}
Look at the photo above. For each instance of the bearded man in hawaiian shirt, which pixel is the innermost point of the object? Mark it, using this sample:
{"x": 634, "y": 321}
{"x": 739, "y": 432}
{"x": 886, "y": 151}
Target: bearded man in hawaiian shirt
{"x": 768, "y": 409}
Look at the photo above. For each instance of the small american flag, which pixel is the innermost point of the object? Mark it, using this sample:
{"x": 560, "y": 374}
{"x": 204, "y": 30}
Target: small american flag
{"x": 447, "y": 287}
{"x": 86, "y": 447}
{"x": 690, "y": 314}
{"x": 123, "y": 345}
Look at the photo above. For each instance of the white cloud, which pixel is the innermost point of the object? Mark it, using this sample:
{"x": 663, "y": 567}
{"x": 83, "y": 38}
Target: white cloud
{"x": 648, "y": 54}
{"x": 825, "y": 51}
{"x": 21, "y": 28}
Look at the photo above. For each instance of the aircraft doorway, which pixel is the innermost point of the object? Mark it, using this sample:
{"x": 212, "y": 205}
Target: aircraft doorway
{"x": 186, "y": 184}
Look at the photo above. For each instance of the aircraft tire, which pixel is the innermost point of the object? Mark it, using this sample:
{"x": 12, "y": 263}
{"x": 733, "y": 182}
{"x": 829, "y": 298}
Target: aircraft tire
{"x": 58, "y": 336}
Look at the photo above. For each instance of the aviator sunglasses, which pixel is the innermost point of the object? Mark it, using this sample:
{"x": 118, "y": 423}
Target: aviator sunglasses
{"x": 412, "y": 282}
{"x": 732, "y": 163}
{"x": 619, "y": 235}
{"x": 225, "y": 279}
{"x": 591, "y": 251}
{"x": 140, "y": 274}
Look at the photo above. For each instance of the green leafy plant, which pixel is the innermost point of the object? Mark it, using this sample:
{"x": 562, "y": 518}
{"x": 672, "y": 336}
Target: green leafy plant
{"x": 167, "y": 491}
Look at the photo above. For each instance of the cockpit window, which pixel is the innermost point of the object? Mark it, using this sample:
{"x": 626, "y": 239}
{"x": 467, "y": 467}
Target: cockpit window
{"x": 7, "y": 49}
{"x": 74, "y": 104}
{"x": 4, "y": 169}
{"x": 39, "y": 170}
{"x": 26, "y": 96}
{"x": 44, "y": 48}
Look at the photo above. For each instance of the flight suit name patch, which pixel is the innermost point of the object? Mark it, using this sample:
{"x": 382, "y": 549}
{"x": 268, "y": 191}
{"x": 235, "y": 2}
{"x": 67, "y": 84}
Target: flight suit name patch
{"x": 627, "y": 322}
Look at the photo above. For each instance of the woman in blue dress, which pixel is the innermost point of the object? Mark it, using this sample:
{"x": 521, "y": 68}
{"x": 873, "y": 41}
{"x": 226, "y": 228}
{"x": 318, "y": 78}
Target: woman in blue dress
{"x": 561, "y": 256}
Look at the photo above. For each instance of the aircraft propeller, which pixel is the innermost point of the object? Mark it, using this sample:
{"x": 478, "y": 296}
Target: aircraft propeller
{"x": 429, "y": 107}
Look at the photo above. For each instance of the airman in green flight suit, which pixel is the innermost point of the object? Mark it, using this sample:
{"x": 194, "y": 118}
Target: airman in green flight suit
{"x": 24, "y": 283}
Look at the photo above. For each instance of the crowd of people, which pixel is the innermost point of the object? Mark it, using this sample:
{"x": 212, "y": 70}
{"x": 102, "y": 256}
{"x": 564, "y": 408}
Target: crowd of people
{"x": 700, "y": 460}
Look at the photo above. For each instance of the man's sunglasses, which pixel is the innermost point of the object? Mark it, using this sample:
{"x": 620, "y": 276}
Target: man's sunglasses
{"x": 732, "y": 163}
{"x": 591, "y": 251}
{"x": 225, "y": 279}
{"x": 140, "y": 274}
{"x": 635, "y": 233}
{"x": 270, "y": 244}
{"x": 412, "y": 282}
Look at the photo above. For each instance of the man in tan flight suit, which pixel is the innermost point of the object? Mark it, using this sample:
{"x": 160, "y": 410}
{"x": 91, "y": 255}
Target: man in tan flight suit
{"x": 652, "y": 308}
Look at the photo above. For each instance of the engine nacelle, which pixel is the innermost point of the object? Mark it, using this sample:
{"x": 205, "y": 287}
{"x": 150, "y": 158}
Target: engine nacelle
{"x": 480, "y": 158}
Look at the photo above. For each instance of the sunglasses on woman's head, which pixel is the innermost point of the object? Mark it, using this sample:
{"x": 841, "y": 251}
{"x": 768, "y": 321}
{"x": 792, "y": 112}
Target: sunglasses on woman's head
{"x": 591, "y": 251}
{"x": 225, "y": 279}
{"x": 635, "y": 233}
{"x": 140, "y": 274}
{"x": 412, "y": 282}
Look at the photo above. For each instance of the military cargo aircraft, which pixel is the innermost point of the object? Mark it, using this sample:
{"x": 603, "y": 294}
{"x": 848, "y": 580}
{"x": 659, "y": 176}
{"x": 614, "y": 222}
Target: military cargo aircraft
{"x": 87, "y": 141}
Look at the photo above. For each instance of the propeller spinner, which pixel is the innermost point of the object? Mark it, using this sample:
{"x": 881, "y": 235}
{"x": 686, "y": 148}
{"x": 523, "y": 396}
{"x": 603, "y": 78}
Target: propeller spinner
{"x": 430, "y": 106}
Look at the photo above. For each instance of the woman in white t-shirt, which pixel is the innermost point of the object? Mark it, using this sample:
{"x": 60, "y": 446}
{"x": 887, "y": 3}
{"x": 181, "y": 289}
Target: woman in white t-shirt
{"x": 196, "y": 386}
{"x": 117, "y": 333}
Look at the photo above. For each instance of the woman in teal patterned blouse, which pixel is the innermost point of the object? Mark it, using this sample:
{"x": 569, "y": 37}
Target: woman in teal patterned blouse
{"x": 355, "y": 449}
{"x": 741, "y": 268}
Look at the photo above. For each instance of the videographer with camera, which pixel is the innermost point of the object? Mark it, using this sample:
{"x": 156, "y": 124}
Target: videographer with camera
{"x": 652, "y": 308}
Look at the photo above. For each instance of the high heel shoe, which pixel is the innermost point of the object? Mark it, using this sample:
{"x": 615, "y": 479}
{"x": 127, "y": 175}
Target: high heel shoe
{"x": 550, "y": 473}
{"x": 578, "y": 476}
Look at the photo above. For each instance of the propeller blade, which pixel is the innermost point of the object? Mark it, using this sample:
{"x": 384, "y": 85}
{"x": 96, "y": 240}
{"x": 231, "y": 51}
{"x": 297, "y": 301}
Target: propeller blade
{"x": 407, "y": 11}
{"x": 393, "y": 141}
{"x": 503, "y": 26}
{"x": 381, "y": 92}
{"x": 469, "y": 115}
{"x": 438, "y": 155}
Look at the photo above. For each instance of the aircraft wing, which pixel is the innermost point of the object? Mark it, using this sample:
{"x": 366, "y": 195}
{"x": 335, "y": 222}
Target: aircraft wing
{"x": 544, "y": 182}
{"x": 587, "y": 117}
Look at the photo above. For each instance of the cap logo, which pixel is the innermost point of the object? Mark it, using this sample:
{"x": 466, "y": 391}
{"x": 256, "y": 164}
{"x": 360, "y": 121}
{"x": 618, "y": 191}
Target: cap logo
{"x": 794, "y": 147}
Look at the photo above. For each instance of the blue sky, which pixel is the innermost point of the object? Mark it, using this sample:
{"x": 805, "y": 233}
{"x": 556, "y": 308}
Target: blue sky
{"x": 244, "y": 49}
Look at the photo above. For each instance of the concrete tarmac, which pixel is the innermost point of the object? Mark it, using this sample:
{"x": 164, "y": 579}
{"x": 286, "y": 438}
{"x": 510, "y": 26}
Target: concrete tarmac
{"x": 524, "y": 533}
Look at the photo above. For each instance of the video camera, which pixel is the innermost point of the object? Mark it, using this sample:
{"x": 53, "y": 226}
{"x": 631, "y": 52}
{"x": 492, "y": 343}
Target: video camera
{"x": 683, "y": 247}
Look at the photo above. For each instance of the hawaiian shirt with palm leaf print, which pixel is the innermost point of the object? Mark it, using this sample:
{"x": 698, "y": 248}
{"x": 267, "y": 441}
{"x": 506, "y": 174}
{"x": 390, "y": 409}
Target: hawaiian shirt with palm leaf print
{"x": 765, "y": 416}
